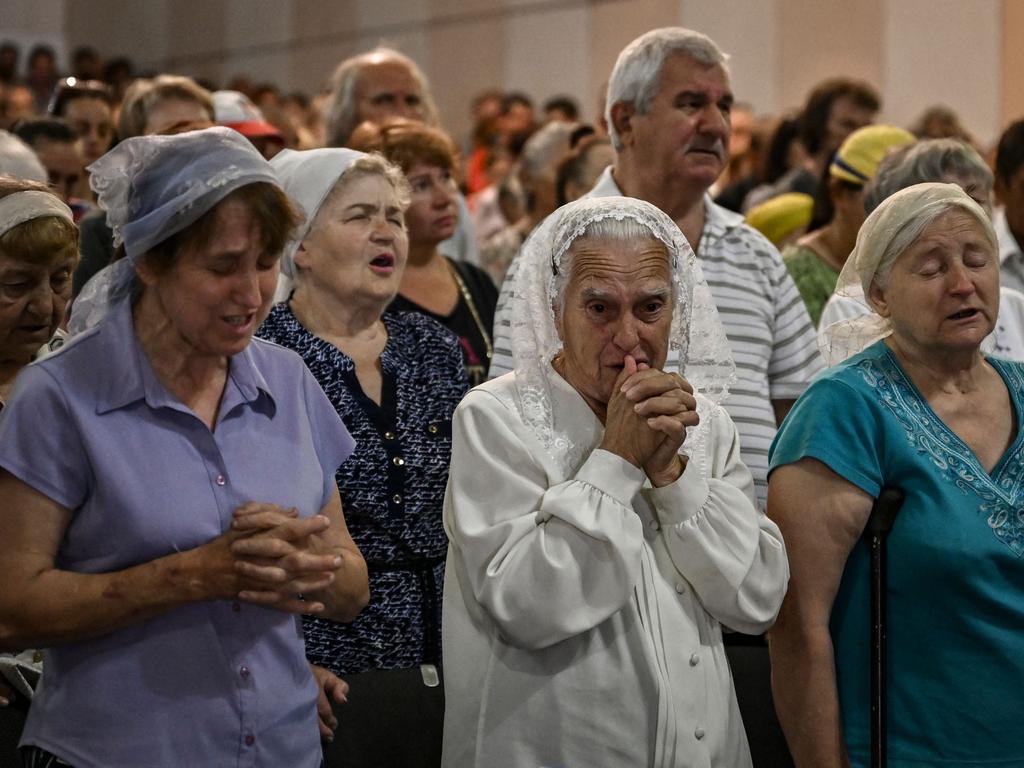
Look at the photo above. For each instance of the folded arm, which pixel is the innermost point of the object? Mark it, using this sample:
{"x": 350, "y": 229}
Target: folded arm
{"x": 546, "y": 561}
{"x": 731, "y": 554}
{"x": 42, "y": 605}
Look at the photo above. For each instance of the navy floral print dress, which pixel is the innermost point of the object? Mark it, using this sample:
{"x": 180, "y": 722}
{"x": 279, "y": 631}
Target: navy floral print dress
{"x": 392, "y": 486}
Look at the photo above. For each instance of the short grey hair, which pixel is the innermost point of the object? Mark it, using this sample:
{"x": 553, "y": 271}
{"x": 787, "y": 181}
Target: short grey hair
{"x": 611, "y": 229}
{"x": 545, "y": 148}
{"x": 635, "y": 77}
{"x": 342, "y": 117}
{"x": 930, "y": 160}
{"x": 914, "y": 227}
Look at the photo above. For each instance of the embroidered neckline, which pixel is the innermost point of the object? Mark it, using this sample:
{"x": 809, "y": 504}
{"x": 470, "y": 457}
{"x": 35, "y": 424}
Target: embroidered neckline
{"x": 999, "y": 491}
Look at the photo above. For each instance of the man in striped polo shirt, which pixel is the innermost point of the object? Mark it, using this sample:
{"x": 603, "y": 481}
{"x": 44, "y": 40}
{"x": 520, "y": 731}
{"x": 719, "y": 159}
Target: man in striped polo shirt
{"x": 668, "y": 108}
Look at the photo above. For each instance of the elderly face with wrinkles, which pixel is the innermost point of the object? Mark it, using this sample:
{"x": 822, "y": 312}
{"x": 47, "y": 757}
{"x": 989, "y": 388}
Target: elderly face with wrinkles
{"x": 618, "y": 302}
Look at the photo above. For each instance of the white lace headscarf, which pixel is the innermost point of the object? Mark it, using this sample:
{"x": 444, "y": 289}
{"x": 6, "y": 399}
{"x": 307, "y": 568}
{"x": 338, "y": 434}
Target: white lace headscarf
{"x": 887, "y": 233}
{"x": 153, "y": 187}
{"x": 307, "y": 176}
{"x": 696, "y": 334}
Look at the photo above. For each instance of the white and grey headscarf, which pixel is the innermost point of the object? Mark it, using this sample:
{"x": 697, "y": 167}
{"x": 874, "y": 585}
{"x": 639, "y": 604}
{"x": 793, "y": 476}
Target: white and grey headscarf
{"x": 879, "y": 244}
{"x": 307, "y": 176}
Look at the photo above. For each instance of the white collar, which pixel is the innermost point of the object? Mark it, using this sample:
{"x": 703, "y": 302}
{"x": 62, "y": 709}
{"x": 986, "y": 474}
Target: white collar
{"x": 1008, "y": 245}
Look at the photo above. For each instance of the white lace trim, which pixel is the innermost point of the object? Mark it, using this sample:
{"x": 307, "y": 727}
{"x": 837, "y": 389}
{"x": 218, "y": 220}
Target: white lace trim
{"x": 696, "y": 333}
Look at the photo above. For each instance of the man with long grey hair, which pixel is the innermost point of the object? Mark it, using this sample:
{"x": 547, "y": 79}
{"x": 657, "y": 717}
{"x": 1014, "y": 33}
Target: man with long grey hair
{"x": 384, "y": 83}
{"x": 668, "y": 110}
{"x": 376, "y": 85}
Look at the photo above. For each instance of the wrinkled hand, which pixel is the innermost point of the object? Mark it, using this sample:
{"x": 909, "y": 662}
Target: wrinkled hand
{"x": 648, "y": 415}
{"x": 276, "y": 555}
{"x": 329, "y": 687}
{"x": 267, "y": 558}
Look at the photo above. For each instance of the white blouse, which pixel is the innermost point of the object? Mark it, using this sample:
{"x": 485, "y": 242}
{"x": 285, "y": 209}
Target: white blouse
{"x": 583, "y": 612}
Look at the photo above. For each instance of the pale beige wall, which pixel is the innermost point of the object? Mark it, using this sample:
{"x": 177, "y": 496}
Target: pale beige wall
{"x": 918, "y": 52}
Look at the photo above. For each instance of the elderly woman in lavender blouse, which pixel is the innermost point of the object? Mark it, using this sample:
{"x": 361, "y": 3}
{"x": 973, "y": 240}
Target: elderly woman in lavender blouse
{"x": 158, "y": 532}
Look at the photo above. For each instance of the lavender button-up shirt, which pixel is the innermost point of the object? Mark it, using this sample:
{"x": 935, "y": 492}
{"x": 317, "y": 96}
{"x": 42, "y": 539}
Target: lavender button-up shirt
{"x": 211, "y": 684}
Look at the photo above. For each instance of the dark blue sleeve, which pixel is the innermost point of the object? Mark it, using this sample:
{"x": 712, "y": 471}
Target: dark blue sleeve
{"x": 331, "y": 437}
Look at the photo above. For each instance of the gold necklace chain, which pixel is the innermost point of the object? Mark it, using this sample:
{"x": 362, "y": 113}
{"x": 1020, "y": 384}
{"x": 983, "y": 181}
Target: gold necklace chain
{"x": 472, "y": 309}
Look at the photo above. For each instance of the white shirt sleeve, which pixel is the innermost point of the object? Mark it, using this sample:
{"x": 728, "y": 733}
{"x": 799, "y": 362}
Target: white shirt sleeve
{"x": 545, "y": 563}
{"x": 731, "y": 554}
{"x": 795, "y": 359}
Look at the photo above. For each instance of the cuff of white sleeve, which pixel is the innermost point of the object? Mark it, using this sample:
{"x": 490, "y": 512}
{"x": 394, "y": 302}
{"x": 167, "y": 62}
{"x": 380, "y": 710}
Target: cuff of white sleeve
{"x": 613, "y": 475}
{"x": 679, "y": 501}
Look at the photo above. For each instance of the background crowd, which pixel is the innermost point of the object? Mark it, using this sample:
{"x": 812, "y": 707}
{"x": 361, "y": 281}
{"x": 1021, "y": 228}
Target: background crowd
{"x": 410, "y": 261}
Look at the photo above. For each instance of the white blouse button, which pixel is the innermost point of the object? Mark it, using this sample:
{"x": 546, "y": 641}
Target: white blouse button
{"x": 698, "y": 734}
{"x": 680, "y": 587}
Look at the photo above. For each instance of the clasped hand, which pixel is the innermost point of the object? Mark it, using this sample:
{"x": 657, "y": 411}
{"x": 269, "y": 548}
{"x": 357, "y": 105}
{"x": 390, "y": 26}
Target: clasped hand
{"x": 647, "y": 417}
{"x": 271, "y": 556}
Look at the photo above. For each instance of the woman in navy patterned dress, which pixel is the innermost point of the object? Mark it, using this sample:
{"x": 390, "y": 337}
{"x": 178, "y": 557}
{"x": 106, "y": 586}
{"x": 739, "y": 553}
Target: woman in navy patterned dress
{"x": 395, "y": 378}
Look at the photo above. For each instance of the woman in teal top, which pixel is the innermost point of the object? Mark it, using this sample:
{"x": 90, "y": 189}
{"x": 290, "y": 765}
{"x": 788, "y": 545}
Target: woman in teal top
{"x": 923, "y": 409}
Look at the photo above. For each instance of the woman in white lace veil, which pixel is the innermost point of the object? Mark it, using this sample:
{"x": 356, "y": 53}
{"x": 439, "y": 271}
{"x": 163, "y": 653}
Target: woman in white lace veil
{"x": 600, "y": 532}
{"x": 697, "y": 344}
{"x": 153, "y": 187}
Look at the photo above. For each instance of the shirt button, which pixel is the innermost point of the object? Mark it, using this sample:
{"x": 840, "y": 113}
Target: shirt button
{"x": 236, "y": 607}
{"x": 398, "y": 461}
{"x": 396, "y": 499}
{"x": 249, "y": 739}
{"x": 694, "y": 660}
{"x": 698, "y": 734}
{"x": 221, "y": 480}
{"x": 432, "y": 429}
{"x": 680, "y": 587}
{"x": 654, "y": 525}
{"x": 244, "y": 672}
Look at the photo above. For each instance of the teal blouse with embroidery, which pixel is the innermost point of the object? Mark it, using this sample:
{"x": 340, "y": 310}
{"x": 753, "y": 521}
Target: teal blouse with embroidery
{"x": 956, "y": 571}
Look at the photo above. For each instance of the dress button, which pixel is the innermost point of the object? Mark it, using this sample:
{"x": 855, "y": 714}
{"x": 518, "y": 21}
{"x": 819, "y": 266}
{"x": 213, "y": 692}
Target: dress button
{"x": 396, "y": 499}
{"x": 680, "y": 587}
{"x": 221, "y": 480}
{"x": 243, "y": 673}
{"x": 236, "y": 607}
{"x": 432, "y": 429}
{"x": 389, "y": 435}
{"x": 249, "y": 739}
{"x": 398, "y": 461}
{"x": 694, "y": 660}
{"x": 699, "y": 734}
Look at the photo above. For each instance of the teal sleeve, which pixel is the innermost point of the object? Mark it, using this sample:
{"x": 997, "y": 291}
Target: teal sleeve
{"x": 840, "y": 426}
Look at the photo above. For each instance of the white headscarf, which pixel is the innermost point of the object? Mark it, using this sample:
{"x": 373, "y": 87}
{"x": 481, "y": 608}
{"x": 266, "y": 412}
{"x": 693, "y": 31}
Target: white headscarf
{"x": 153, "y": 187}
{"x": 893, "y": 217}
{"x": 696, "y": 333}
{"x": 307, "y": 177}
{"x": 30, "y": 204}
